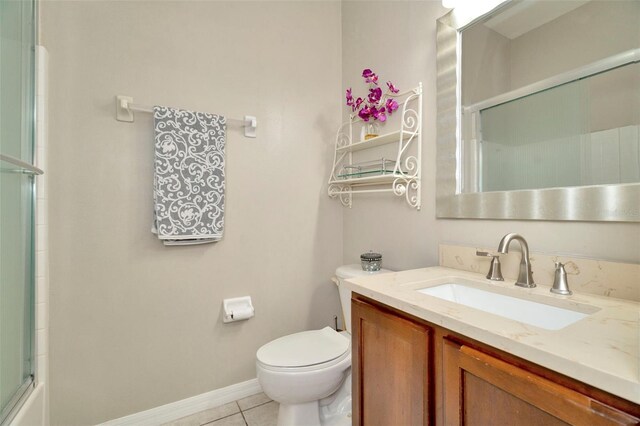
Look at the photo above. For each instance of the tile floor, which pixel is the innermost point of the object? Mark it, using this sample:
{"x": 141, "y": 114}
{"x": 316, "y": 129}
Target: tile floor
{"x": 255, "y": 410}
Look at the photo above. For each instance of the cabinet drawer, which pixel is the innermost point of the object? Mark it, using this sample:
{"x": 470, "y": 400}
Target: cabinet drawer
{"x": 480, "y": 389}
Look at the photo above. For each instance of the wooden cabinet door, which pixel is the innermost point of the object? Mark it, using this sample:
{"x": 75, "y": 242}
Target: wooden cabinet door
{"x": 482, "y": 390}
{"x": 391, "y": 368}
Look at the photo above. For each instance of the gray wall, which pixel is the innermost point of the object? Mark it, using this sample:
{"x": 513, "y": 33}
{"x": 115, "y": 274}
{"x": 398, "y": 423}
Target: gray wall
{"x": 134, "y": 324}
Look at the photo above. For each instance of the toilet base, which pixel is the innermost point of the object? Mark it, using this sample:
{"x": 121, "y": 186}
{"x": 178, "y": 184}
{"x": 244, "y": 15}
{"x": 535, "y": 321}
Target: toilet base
{"x": 307, "y": 414}
{"x": 334, "y": 410}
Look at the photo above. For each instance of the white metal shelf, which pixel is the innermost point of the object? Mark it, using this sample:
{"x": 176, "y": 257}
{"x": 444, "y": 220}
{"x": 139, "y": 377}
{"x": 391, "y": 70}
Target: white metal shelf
{"x": 405, "y": 179}
{"x": 368, "y": 180}
{"x": 385, "y": 139}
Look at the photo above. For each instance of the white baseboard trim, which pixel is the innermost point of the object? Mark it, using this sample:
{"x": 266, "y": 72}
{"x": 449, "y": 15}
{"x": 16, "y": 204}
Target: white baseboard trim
{"x": 186, "y": 407}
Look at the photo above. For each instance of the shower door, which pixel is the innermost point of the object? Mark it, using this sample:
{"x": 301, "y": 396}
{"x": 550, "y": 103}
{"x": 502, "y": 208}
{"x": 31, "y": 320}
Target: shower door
{"x": 17, "y": 185}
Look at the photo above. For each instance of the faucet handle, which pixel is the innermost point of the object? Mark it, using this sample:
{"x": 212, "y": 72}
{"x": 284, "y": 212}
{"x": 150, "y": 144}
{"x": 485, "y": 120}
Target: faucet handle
{"x": 495, "y": 271}
{"x": 560, "y": 281}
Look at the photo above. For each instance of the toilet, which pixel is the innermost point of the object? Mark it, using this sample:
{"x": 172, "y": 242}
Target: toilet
{"x": 309, "y": 373}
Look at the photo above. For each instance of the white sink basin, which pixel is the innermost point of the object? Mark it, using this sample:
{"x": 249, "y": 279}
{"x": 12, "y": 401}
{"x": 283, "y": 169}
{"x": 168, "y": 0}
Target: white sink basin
{"x": 526, "y": 311}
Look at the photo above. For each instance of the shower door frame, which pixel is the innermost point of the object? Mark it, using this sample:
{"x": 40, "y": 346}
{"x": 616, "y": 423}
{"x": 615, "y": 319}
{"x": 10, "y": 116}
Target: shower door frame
{"x": 24, "y": 391}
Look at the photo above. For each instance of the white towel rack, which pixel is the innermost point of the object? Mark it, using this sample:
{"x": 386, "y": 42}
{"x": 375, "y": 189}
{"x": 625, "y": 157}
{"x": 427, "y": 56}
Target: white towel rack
{"x": 125, "y": 108}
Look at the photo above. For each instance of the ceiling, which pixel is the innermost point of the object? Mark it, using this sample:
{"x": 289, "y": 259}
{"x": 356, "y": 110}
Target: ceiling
{"x": 526, "y": 15}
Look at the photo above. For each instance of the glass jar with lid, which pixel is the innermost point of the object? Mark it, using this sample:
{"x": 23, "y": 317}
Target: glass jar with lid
{"x": 371, "y": 261}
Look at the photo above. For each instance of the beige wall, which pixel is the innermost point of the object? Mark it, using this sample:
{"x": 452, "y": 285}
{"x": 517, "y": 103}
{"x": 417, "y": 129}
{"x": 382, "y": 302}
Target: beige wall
{"x": 597, "y": 30}
{"x": 135, "y": 324}
{"x": 493, "y": 64}
{"x": 406, "y": 52}
{"x": 486, "y": 70}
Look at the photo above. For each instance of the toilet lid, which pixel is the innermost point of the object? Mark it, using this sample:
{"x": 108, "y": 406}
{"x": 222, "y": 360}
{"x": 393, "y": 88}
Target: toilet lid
{"x": 304, "y": 349}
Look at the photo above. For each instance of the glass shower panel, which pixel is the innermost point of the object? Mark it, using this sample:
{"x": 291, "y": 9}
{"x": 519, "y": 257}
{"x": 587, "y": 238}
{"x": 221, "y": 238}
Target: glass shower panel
{"x": 534, "y": 142}
{"x": 586, "y": 132}
{"x": 16, "y": 202}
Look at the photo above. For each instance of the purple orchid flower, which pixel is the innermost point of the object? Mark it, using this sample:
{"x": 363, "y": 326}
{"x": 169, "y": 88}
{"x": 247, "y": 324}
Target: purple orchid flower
{"x": 391, "y": 105}
{"x": 381, "y": 115}
{"x": 369, "y": 76}
{"x": 349, "y": 98}
{"x": 365, "y": 113}
{"x": 374, "y": 95}
{"x": 374, "y": 105}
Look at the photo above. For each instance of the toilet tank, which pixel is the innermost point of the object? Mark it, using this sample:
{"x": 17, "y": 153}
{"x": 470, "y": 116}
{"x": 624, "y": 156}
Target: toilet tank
{"x": 345, "y": 272}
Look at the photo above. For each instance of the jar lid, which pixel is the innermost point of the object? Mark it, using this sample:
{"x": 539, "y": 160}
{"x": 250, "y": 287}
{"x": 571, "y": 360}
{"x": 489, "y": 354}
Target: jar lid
{"x": 370, "y": 257}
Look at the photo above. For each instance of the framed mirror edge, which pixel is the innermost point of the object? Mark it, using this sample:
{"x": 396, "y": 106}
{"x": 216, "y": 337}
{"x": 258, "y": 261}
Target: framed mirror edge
{"x": 606, "y": 203}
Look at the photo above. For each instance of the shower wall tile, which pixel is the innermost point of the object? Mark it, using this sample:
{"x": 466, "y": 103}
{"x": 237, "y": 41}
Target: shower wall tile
{"x": 41, "y": 163}
{"x": 41, "y": 212}
{"x": 42, "y": 295}
{"x": 599, "y": 277}
{"x": 41, "y": 237}
{"x": 630, "y": 154}
{"x": 42, "y": 367}
{"x": 41, "y": 316}
{"x": 42, "y": 341}
{"x": 41, "y": 267}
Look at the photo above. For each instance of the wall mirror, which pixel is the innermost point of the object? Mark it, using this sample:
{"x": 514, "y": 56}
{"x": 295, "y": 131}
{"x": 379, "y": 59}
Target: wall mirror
{"x": 539, "y": 112}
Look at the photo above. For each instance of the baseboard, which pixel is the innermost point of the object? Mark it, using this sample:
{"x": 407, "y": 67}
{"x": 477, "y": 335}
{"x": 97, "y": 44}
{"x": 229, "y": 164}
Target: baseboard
{"x": 186, "y": 407}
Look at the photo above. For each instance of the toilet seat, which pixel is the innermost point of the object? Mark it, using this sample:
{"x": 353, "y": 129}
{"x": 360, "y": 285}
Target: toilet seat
{"x": 346, "y": 357}
{"x": 305, "y": 351}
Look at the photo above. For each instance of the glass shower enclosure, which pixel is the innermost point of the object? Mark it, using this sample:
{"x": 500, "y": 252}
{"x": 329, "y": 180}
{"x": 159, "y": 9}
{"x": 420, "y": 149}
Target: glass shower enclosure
{"x": 17, "y": 190}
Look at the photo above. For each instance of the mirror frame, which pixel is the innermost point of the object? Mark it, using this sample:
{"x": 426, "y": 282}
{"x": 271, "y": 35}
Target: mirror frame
{"x": 610, "y": 203}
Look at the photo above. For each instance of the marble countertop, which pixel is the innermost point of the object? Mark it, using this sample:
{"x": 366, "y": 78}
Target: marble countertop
{"x": 602, "y": 350}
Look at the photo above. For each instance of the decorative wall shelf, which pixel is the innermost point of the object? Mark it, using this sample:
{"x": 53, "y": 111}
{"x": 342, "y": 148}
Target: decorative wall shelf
{"x": 377, "y": 141}
{"x": 405, "y": 178}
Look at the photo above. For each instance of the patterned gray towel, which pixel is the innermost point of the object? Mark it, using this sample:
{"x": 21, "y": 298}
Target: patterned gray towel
{"x": 189, "y": 176}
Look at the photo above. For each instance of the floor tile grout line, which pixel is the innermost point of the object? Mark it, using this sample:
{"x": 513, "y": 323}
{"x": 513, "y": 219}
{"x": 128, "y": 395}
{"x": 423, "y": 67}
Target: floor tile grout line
{"x": 240, "y": 411}
{"x": 242, "y": 414}
{"x": 221, "y": 418}
{"x": 233, "y": 414}
{"x": 255, "y": 406}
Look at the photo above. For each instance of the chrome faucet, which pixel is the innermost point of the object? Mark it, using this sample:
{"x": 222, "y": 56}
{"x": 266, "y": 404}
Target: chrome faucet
{"x": 495, "y": 272}
{"x": 525, "y": 276}
{"x": 560, "y": 282}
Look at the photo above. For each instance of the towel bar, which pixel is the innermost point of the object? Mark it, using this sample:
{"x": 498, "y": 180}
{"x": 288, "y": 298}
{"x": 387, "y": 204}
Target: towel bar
{"x": 125, "y": 108}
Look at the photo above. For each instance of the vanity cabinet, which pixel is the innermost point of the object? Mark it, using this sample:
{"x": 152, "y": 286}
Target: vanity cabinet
{"x": 391, "y": 368}
{"x": 480, "y": 389}
{"x": 408, "y": 372}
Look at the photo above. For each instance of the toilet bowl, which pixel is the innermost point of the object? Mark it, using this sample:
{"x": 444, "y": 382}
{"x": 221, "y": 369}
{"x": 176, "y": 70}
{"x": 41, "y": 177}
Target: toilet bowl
{"x": 309, "y": 373}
